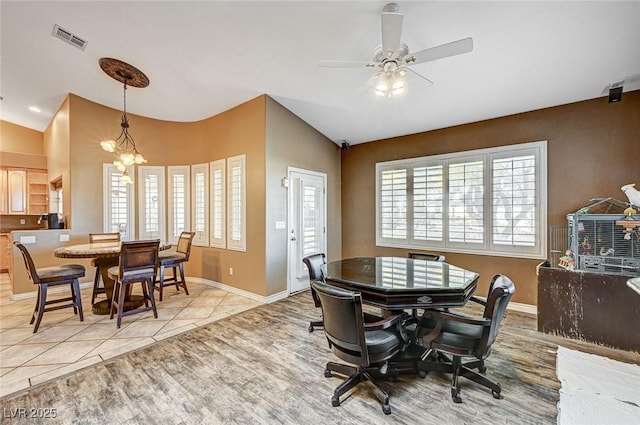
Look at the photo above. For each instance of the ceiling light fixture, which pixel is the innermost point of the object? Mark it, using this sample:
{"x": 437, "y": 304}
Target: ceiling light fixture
{"x": 390, "y": 81}
{"x": 124, "y": 146}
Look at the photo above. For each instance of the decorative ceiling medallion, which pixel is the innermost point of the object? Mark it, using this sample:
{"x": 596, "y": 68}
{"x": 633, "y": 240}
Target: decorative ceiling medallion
{"x": 123, "y": 72}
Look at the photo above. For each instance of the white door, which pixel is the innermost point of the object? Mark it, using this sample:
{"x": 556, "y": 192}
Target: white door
{"x": 307, "y": 223}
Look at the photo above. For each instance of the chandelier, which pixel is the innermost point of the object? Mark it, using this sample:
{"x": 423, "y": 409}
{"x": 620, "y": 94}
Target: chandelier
{"x": 124, "y": 146}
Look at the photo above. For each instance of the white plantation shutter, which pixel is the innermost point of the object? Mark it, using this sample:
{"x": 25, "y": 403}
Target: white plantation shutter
{"x": 466, "y": 202}
{"x": 118, "y": 202}
{"x": 200, "y": 203}
{"x": 151, "y": 202}
{"x": 489, "y": 201}
{"x": 218, "y": 237}
{"x": 428, "y": 203}
{"x": 392, "y": 214}
{"x": 515, "y": 205}
{"x": 236, "y": 204}
{"x": 179, "y": 206}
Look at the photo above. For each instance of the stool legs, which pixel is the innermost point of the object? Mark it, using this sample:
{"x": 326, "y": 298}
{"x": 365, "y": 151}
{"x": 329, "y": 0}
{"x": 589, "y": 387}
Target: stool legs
{"x": 41, "y": 303}
{"x": 119, "y": 292}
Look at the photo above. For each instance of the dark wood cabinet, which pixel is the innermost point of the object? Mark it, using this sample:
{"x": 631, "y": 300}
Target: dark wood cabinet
{"x": 593, "y": 307}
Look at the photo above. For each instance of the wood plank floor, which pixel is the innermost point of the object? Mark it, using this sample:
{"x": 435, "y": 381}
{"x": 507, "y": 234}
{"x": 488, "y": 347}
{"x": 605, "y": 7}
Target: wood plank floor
{"x": 264, "y": 367}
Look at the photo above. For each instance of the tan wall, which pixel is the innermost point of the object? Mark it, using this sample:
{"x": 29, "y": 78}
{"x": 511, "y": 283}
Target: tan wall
{"x": 15, "y": 138}
{"x": 56, "y": 146}
{"x": 593, "y": 149}
{"x": 292, "y": 142}
{"x": 237, "y": 131}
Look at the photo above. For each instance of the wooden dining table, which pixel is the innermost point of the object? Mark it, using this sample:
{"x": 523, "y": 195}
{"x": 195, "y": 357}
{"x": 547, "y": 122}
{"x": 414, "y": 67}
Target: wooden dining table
{"x": 105, "y": 255}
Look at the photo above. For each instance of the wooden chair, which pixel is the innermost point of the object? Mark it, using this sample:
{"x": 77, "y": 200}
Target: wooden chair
{"x": 314, "y": 264}
{"x": 45, "y": 277}
{"x": 95, "y": 238}
{"x": 138, "y": 263}
{"x": 175, "y": 260}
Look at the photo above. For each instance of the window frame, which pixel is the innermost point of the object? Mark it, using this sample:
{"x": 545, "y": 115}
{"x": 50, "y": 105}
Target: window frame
{"x": 241, "y": 243}
{"x": 109, "y": 170}
{"x": 173, "y": 170}
{"x": 159, "y": 171}
{"x": 218, "y": 210}
{"x": 487, "y": 247}
{"x": 202, "y": 236}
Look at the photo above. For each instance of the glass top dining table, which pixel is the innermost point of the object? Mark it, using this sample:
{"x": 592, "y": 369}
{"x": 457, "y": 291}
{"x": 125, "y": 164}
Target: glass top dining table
{"x": 395, "y": 283}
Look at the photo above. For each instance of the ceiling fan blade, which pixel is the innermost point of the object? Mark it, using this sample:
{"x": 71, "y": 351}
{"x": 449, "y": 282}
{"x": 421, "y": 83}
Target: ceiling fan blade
{"x": 443, "y": 51}
{"x": 391, "y": 30}
{"x": 418, "y": 74}
{"x": 346, "y": 64}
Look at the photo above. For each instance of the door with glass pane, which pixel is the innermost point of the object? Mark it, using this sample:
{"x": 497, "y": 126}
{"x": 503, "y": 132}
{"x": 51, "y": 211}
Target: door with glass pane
{"x": 307, "y": 223}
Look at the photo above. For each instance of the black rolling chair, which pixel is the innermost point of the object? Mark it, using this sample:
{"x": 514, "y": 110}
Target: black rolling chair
{"x": 45, "y": 277}
{"x": 175, "y": 260}
{"x": 138, "y": 263}
{"x": 426, "y": 256}
{"x": 97, "y": 238}
{"x": 368, "y": 346}
{"x": 452, "y": 336}
{"x": 314, "y": 264}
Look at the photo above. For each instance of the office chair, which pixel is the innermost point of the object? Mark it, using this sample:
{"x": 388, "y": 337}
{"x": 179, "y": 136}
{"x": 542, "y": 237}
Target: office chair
{"x": 451, "y": 337}
{"x": 368, "y": 346}
{"x": 314, "y": 265}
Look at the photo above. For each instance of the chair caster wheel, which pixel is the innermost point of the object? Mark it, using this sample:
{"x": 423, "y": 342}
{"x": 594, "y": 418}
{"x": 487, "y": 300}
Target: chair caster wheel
{"x": 310, "y": 328}
{"x": 335, "y": 401}
{"x": 456, "y": 397}
{"x": 386, "y": 409}
{"x": 496, "y": 393}
{"x": 422, "y": 374}
{"x": 327, "y": 373}
{"x": 482, "y": 369}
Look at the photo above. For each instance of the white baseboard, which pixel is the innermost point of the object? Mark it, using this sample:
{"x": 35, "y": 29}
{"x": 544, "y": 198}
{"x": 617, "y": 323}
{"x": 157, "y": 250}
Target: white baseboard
{"x": 524, "y": 308}
{"x": 264, "y": 300}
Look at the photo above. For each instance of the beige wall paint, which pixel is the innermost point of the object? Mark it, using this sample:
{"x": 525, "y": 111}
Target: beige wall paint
{"x": 56, "y": 146}
{"x": 237, "y": 131}
{"x": 15, "y": 138}
{"x": 593, "y": 149}
{"x": 290, "y": 142}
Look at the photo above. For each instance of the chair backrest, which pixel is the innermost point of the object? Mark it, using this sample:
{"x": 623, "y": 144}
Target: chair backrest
{"x": 138, "y": 258}
{"x": 184, "y": 243}
{"x": 28, "y": 262}
{"x": 343, "y": 322}
{"x": 426, "y": 256}
{"x": 314, "y": 264}
{"x": 500, "y": 292}
{"x": 104, "y": 237}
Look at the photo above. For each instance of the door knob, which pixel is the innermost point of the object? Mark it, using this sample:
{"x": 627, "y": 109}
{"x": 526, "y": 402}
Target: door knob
{"x": 293, "y": 238}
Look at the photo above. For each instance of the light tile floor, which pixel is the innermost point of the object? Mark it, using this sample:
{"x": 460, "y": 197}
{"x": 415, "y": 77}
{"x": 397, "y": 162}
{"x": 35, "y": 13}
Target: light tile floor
{"x": 63, "y": 344}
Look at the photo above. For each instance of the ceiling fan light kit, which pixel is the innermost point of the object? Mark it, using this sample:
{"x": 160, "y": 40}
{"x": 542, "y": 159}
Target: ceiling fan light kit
{"x": 394, "y": 57}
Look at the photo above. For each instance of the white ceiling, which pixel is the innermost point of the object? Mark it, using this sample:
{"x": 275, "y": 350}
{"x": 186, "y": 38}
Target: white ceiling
{"x": 205, "y": 57}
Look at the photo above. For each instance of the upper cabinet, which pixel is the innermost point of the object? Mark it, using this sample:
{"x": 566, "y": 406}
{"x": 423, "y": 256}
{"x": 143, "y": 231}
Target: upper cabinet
{"x": 17, "y": 191}
{"x": 23, "y": 191}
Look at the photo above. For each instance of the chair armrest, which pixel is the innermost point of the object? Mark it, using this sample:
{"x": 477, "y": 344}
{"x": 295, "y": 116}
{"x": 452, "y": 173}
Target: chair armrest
{"x": 384, "y": 323}
{"x": 478, "y": 300}
{"x": 447, "y": 315}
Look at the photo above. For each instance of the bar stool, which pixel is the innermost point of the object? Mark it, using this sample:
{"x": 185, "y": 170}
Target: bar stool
{"x": 138, "y": 264}
{"x": 175, "y": 260}
{"x": 94, "y": 238}
{"x": 53, "y": 276}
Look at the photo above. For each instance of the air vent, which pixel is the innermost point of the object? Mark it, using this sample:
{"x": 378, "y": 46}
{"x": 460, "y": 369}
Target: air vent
{"x": 68, "y": 37}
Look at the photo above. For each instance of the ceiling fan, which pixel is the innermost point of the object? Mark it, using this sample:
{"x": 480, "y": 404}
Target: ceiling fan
{"x": 393, "y": 57}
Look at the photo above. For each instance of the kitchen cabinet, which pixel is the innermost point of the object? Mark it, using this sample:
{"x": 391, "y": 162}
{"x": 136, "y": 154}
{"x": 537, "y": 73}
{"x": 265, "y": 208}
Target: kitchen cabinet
{"x": 16, "y": 191}
{"x": 5, "y": 252}
{"x": 38, "y": 192}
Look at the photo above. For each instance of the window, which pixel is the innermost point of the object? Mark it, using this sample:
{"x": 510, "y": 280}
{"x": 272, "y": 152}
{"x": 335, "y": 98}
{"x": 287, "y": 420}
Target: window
{"x": 200, "y": 203}
{"x": 218, "y": 236}
{"x": 179, "y": 206}
{"x": 236, "y": 204}
{"x": 488, "y": 201}
{"x": 118, "y": 202}
{"x": 151, "y": 220}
